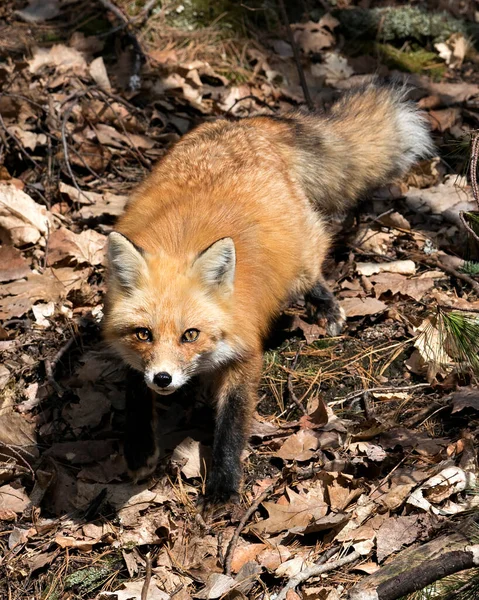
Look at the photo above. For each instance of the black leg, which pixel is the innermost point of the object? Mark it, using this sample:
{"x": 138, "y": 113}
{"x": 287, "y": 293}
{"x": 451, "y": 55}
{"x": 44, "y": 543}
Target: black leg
{"x": 321, "y": 304}
{"x": 224, "y": 478}
{"x": 140, "y": 446}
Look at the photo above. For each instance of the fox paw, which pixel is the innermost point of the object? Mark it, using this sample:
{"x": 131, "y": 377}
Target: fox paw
{"x": 141, "y": 467}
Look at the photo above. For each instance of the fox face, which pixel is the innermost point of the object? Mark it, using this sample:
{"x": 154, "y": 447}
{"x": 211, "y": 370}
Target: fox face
{"x": 167, "y": 316}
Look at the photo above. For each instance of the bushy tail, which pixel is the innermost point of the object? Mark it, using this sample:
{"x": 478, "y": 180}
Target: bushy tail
{"x": 370, "y": 136}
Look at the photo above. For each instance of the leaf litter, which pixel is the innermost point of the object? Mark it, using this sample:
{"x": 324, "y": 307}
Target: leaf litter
{"x": 377, "y": 470}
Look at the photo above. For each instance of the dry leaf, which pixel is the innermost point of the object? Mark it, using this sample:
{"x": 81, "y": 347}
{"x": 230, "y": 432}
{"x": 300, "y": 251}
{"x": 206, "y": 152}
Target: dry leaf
{"x": 192, "y": 456}
{"x": 80, "y": 248}
{"x": 446, "y": 199}
{"x": 453, "y": 50}
{"x": 360, "y": 307}
{"x": 98, "y": 73}
{"x": 397, "y": 532}
{"x": 14, "y": 266}
{"x": 299, "y": 446}
{"x": 465, "y": 398}
{"x": 132, "y": 591}
{"x": 395, "y": 283}
{"x": 24, "y": 220}
{"x": 61, "y": 57}
{"x": 313, "y": 37}
{"x": 13, "y": 499}
{"x": 333, "y": 69}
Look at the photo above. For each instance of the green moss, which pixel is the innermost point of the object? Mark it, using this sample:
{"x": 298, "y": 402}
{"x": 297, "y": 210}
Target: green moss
{"x": 412, "y": 61}
{"x": 400, "y": 23}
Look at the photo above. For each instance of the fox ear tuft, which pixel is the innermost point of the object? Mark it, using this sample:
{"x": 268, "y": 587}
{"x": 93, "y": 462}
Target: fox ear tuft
{"x": 125, "y": 260}
{"x": 216, "y": 265}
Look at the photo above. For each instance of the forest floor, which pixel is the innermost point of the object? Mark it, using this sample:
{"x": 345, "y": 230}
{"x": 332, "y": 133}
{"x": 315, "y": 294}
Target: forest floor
{"x": 363, "y": 443}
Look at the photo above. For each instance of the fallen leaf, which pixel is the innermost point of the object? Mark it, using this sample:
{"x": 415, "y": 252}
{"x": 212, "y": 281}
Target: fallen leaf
{"x": 271, "y": 558}
{"x": 25, "y": 221}
{"x": 443, "y": 120}
{"x": 243, "y": 554}
{"x": 60, "y": 57}
{"x": 99, "y": 74}
{"x": 397, "y": 532}
{"x": 192, "y": 456}
{"x": 395, "y": 283}
{"x": 89, "y": 411}
{"x": 360, "y": 307}
{"x": 80, "y": 248}
{"x": 313, "y": 37}
{"x": 333, "y": 69}
{"x": 447, "y": 199}
{"x": 14, "y": 266}
{"x": 217, "y": 585}
{"x": 300, "y": 446}
{"x": 465, "y": 398}
{"x": 132, "y": 590}
{"x": 14, "y": 499}
{"x": 453, "y": 50}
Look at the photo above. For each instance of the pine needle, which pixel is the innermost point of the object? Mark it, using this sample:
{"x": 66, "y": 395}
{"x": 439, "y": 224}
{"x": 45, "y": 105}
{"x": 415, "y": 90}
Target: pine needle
{"x": 459, "y": 332}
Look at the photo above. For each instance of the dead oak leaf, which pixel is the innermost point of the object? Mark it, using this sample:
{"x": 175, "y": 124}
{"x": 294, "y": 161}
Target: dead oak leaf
{"x": 361, "y": 307}
{"x": 300, "y": 446}
{"x": 396, "y": 532}
{"x": 78, "y": 248}
{"x": 292, "y": 511}
{"x": 399, "y": 284}
{"x": 14, "y": 266}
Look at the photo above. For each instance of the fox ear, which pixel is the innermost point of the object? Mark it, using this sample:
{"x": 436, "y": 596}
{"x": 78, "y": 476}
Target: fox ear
{"x": 216, "y": 265}
{"x": 125, "y": 260}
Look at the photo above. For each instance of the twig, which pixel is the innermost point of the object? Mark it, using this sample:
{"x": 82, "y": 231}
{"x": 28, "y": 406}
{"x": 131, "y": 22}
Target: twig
{"x": 241, "y": 526}
{"x": 297, "y": 57}
{"x": 250, "y": 97}
{"x": 419, "y": 577}
{"x": 453, "y": 272}
{"x": 291, "y": 393}
{"x": 358, "y": 394}
{"x": 473, "y": 168}
{"x": 315, "y": 571}
{"x": 146, "y": 585}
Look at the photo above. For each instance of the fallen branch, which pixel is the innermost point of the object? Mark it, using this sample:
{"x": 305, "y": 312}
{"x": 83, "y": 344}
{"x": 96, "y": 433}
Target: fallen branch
{"x": 241, "y": 526}
{"x": 315, "y": 571}
{"x": 358, "y": 394}
{"x": 450, "y": 271}
{"x": 419, "y": 577}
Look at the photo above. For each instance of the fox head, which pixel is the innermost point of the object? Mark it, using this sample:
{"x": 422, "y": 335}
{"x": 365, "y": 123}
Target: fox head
{"x": 168, "y": 316}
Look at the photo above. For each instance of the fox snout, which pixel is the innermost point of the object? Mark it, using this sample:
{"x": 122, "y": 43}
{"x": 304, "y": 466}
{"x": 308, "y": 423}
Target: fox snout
{"x": 165, "y": 380}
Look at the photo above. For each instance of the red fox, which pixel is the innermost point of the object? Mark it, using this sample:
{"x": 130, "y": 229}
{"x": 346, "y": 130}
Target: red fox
{"x": 229, "y": 226}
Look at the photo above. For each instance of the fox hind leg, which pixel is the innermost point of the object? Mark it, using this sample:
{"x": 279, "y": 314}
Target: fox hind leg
{"x": 322, "y": 304}
{"x": 140, "y": 446}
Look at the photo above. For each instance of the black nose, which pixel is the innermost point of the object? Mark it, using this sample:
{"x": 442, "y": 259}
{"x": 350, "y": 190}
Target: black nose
{"x": 162, "y": 379}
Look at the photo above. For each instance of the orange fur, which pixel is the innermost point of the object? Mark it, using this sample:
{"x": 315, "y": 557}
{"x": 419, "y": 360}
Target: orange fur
{"x": 266, "y": 184}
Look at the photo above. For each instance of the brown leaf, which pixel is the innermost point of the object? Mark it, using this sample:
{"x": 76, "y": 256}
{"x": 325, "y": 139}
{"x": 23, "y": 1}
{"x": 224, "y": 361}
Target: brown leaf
{"x": 131, "y": 590}
{"x": 300, "y": 446}
{"x": 80, "y": 248}
{"x": 400, "y": 531}
{"x": 271, "y": 558}
{"x": 60, "y": 57}
{"x": 293, "y": 511}
{"x": 193, "y": 457}
{"x": 442, "y": 120}
{"x": 89, "y": 411}
{"x": 465, "y": 398}
{"x": 24, "y": 220}
{"x": 399, "y": 284}
{"x": 14, "y": 266}
{"x": 244, "y": 554}
{"x": 360, "y": 307}
{"x": 311, "y": 331}
{"x": 313, "y": 37}
{"x": 14, "y": 499}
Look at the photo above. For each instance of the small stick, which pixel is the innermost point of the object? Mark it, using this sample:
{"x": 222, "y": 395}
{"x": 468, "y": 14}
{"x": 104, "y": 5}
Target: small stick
{"x": 402, "y": 388}
{"x": 315, "y": 571}
{"x": 241, "y": 526}
{"x": 453, "y": 272}
{"x": 297, "y": 57}
{"x": 146, "y": 585}
{"x": 50, "y": 365}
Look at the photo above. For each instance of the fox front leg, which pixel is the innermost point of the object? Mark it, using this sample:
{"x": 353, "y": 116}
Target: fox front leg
{"x": 140, "y": 446}
{"x": 235, "y": 402}
{"x": 322, "y": 304}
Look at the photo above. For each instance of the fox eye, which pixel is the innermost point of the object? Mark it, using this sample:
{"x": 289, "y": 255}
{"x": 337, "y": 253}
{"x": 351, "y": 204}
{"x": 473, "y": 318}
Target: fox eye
{"x": 190, "y": 335}
{"x": 143, "y": 334}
